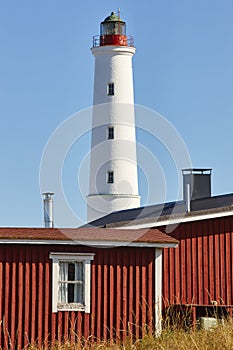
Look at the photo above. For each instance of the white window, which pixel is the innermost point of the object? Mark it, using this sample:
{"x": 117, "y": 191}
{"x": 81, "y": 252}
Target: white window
{"x": 110, "y": 177}
{"x": 111, "y": 89}
{"x": 110, "y": 132}
{"x": 71, "y": 281}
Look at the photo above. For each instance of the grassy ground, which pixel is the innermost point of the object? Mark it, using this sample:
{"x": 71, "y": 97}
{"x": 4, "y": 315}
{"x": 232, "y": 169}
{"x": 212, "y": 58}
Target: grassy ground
{"x": 221, "y": 338}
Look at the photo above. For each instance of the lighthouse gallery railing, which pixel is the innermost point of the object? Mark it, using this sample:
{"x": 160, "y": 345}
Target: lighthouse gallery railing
{"x": 102, "y": 40}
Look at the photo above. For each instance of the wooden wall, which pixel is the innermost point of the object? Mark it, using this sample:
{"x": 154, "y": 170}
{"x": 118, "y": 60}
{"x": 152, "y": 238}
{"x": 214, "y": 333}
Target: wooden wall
{"x": 200, "y": 270}
{"x": 122, "y": 295}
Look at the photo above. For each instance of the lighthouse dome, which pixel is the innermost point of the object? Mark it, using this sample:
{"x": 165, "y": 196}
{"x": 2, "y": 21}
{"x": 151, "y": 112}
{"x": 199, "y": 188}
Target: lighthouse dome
{"x": 113, "y": 18}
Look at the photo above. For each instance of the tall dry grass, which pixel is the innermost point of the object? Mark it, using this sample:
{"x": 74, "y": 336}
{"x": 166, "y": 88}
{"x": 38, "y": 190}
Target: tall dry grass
{"x": 220, "y": 338}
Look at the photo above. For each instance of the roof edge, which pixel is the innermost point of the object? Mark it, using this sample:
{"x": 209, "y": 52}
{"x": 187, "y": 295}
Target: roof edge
{"x": 98, "y": 244}
{"x": 173, "y": 219}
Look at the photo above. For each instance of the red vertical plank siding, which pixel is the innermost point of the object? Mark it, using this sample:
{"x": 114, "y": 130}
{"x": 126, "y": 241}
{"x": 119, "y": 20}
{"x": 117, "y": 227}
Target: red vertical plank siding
{"x": 166, "y": 274}
{"x": 131, "y": 295}
{"x": 93, "y": 300}
{"x": 211, "y": 253}
{"x": 137, "y": 299}
{"x": 228, "y": 263}
{"x": 13, "y": 305}
{"x": 203, "y": 260}
{"x": 222, "y": 262}
{"x": 183, "y": 268}
{"x": 216, "y": 265}
{"x": 47, "y": 304}
{"x": 79, "y": 326}
{"x": 1, "y": 297}
{"x": 72, "y": 327}
{"x": 7, "y": 299}
{"x": 20, "y": 298}
{"x": 150, "y": 298}
{"x": 175, "y": 281}
{"x": 205, "y": 257}
{"x": 122, "y": 295}
{"x": 53, "y": 328}
{"x": 118, "y": 300}
{"x": 86, "y": 332}
{"x": 124, "y": 300}
{"x": 99, "y": 302}
{"x": 105, "y": 297}
{"x": 33, "y": 303}
{"x": 111, "y": 297}
{"x": 59, "y": 327}
{"x": 188, "y": 265}
{"x": 193, "y": 295}
{"x": 65, "y": 329}
{"x": 40, "y": 286}
{"x": 143, "y": 295}
{"x": 231, "y": 271}
{"x": 200, "y": 276}
{"x": 27, "y": 304}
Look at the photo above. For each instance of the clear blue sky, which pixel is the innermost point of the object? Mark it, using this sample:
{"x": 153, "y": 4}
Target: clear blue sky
{"x": 183, "y": 69}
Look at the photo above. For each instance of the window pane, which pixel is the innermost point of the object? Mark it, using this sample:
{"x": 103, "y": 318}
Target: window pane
{"x": 71, "y": 293}
{"x": 110, "y": 177}
{"x": 78, "y": 289}
{"x": 111, "y": 133}
{"x": 79, "y": 271}
{"x": 78, "y": 293}
{"x": 71, "y": 272}
{"x": 111, "y": 28}
{"x": 63, "y": 275}
{"x": 111, "y": 89}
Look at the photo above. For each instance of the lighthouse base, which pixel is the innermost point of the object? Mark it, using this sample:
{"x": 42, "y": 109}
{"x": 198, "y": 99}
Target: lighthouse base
{"x": 99, "y": 205}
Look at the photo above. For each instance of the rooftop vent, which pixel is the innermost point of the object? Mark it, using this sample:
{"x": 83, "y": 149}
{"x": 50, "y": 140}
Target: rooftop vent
{"x": 196, "y": 184}
{"x": 48, "y": 209}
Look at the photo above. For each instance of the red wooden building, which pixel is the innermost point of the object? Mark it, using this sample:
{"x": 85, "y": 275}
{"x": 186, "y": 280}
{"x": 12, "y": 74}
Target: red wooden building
{"x": 199, "y": 272}
{"x": 60, "y": 285}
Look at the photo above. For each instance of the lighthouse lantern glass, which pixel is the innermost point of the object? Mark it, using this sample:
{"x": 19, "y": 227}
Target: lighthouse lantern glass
{"x": 113, "y": 28}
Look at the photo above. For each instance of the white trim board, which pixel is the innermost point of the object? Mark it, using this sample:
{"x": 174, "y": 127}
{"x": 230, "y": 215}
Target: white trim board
{"x": 158, "y": 291}
{"x": 172, "y": 221}
{"x": 98, "y": 244}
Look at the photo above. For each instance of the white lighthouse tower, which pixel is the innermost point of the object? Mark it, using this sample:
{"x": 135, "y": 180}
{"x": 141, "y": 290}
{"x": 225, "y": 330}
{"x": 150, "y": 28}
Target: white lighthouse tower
{"x": 113, "y": 182}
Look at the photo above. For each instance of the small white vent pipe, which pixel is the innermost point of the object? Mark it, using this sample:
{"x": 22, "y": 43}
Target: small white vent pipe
{"x": 48, "y": 209}
{"x": 187, "y": 198}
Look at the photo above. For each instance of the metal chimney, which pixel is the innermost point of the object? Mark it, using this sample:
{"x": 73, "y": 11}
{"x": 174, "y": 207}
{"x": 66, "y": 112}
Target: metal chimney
{"x": 196, "y": 184}
{"x": 48, "y": 209}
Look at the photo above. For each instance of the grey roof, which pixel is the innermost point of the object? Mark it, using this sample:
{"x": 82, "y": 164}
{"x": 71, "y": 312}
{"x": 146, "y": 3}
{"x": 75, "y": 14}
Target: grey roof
{"x": 164, "y": 210}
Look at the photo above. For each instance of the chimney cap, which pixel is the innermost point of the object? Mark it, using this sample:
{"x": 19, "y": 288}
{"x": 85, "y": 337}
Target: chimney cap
{"x": 48, "y": 194}
{"x": 196, "y": 171}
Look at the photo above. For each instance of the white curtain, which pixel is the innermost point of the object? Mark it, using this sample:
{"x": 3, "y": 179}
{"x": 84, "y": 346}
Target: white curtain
{"x": 78, "y": 290}
{"x": 63, "y": 287}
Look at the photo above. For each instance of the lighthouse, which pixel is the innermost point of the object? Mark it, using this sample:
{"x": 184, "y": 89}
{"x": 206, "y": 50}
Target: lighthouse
{"x": 113, "y": 182}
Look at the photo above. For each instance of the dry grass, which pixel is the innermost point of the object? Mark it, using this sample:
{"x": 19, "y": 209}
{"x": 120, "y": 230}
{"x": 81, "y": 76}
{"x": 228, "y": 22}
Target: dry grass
{"x": 221, "y": 338}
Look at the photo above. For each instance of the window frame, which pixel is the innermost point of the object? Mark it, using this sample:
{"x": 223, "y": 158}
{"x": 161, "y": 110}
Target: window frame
{"x": 67, "y": 257}
{"x": 109, "y": 174}
{"x": 111, "y": 89}
{"x": 111, "y": 133}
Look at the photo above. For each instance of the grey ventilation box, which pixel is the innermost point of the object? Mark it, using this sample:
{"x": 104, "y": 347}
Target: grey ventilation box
{"x": 197, "y": 182}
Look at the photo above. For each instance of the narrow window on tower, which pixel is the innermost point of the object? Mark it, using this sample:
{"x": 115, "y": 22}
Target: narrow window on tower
{"x": 110, "y": 177}
{"x": 110, "y": 132}
{"x": 110, "y": 89}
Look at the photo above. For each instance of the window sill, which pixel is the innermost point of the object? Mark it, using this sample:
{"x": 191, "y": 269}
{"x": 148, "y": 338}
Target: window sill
{"x": 70, "y": 307}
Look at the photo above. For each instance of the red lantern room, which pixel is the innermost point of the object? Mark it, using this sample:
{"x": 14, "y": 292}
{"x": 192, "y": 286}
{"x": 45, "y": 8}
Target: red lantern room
{"x": 113, "y": 32}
